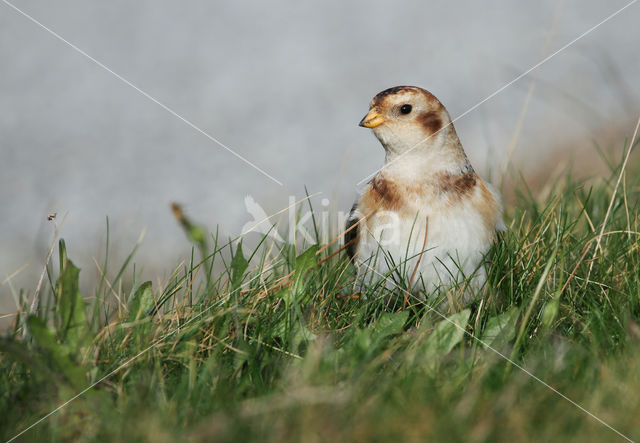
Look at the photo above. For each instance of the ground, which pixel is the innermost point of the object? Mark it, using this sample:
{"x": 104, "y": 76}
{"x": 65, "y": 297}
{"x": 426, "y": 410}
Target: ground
{"x": 251, "y": 344}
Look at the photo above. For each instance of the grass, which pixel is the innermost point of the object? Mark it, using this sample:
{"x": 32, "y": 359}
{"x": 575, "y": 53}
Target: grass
{"x": 272, "y": 343}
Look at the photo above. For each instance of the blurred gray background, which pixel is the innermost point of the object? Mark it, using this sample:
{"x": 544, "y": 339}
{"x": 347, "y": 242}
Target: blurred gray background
{"x": 284, "y": 84}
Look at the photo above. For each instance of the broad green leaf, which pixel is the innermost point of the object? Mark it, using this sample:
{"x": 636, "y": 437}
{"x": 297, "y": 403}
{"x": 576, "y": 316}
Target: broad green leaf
{"x": 389, "y": 323}
{"x": 369, "y": 340}
{"x": 550, "y": 311}
{"x": 447, "y": 334}
{"x": 304, "y": 262}
{"x": 500, "y": 329}
{"x": 287, "y": 294}
{"x": 60, "y": 354}
{"x": 142, "y": 302}
{"x": 62, "y": 252}
{"x": 72, "y": 324}
{"x": 239, "y": 265}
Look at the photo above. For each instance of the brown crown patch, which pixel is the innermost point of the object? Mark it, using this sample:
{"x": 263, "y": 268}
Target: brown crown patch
{"x": 430, "y": 121}
{"x": 396, "y": 89}
{"x": 379, "y": 98}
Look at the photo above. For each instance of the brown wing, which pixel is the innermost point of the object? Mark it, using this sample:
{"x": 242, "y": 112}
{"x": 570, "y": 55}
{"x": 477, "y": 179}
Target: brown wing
{"x": 352, "y": 231}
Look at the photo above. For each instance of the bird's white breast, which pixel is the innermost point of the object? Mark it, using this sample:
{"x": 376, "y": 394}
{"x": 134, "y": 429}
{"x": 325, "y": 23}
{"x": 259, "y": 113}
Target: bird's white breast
{"x": 458, "y": 235}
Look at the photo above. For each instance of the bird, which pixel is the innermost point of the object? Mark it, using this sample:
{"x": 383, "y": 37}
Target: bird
{"x": 426, "y": 216}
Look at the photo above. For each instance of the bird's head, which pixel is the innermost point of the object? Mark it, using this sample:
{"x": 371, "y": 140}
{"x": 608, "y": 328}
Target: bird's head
{"x": 408, "y": 118}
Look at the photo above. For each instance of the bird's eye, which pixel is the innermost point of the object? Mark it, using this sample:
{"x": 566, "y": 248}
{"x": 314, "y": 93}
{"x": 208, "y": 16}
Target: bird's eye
{"x": 405, "y": 109}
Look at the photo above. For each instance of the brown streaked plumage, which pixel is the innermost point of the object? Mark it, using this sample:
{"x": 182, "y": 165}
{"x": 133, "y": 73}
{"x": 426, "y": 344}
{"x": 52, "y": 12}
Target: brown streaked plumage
{"x": 426, "y": 176}
{"x": 457, "y": 185}
{"x": 490, "y": 211}
{"x": 385, "y": 194}
{"x": 351, "y": 234}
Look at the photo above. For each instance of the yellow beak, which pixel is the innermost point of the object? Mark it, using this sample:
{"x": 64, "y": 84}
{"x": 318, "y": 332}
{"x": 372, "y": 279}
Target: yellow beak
{"x": 372, "y": 119}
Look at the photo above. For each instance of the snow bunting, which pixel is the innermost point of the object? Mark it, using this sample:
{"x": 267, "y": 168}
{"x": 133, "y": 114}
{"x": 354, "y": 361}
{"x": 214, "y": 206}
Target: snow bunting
{"x": 426, "y": 210}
